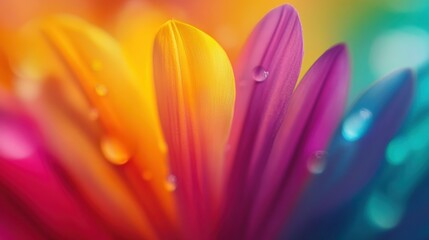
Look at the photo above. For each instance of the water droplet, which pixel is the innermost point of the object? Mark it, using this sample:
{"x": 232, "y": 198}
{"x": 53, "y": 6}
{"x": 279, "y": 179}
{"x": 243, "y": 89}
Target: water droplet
{"x": 114, "y": 151}
{"x": 101, "y": 90}
{"x": 14, "y": 143}
{"x": 147, "y": 175}
{"x": 93, "y": 114}
{"x": 357, "y": 124}
{"x": 383, "y": 212}
{"x": 96, "y": 65}
{"x": 260, "y": 74}
{"x": 316, "y": 164}
{"x": 171, "y": 183}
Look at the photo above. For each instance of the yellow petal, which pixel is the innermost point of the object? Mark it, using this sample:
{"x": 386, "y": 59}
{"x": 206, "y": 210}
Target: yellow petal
{"x": 125, "y": 108}
{"x": 195, "y": 91}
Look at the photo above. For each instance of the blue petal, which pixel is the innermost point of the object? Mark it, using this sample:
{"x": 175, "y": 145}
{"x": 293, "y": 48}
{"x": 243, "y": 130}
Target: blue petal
{"x": 354, "y": 156}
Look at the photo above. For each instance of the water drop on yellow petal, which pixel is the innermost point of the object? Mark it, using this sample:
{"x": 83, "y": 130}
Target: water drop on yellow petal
{"x": 101, "y": 90}
{"x": 114, "y": 151}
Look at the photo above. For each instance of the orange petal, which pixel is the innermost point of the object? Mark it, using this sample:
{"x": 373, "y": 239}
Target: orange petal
{"x": 132, "y": 134}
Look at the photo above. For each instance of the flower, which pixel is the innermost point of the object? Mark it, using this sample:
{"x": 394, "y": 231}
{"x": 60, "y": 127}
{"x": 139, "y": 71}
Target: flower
{"x": 183, "y": 145}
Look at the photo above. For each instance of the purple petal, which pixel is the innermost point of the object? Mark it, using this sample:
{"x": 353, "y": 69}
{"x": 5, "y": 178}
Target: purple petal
{"x": 266, "y": 75}
{"x": 316, "y": 108}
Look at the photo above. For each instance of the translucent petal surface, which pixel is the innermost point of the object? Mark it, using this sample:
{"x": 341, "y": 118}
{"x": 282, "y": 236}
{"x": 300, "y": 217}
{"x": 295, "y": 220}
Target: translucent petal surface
{"x": 195, "y": 92}
{"x": 131, "y": 132}
{"x": 315, "y": 110}
{"x": 266, "y": 75}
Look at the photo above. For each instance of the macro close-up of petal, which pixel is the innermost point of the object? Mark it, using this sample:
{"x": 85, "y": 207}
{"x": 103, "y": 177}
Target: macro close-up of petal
{"x": 207, "y": 120}
{"x": 195, "y": 109}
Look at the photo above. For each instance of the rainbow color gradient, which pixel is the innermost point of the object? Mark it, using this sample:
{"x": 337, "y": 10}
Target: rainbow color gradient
{"x": 203, "y": 119}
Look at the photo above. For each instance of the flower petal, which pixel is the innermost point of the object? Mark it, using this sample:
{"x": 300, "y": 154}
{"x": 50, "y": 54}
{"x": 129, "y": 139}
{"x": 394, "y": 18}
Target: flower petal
{"x": 315, "y": 109}
{"x": 266, "y": 75}
{"x": 95, "y": 179}
{"x": 390, "y": 204}
{"x": 357, "y": 150}
{"x": 195, "y": 91}
{"x": 30, "y": 185}
{"x": 132, "y": 134}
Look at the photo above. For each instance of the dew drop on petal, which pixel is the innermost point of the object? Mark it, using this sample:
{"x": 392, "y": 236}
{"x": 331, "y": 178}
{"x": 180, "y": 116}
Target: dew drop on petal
{"x": 357, "y": 124}
{"x": 260, "y": 74}
{"x": 114, "y": 151}
{"x": 14, "y": 143}
{"x": 101, "y": 90}
{"x": 317, "y": 162}
{"x": 171, "y": 183}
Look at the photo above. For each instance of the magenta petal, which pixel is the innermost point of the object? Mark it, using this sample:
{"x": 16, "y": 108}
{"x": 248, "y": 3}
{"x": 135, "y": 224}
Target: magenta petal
{"x": 266, "y": 75}
{"x": 315, "y": 110}
{"x": 13, "y": 222}
{"x": 33, "y": 184}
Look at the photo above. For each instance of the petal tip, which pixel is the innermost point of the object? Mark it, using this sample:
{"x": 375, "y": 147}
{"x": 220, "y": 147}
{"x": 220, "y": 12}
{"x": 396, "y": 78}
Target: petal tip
{"x": 339, "y": 49}
{"x": 286, "y": 7}
{"x": 402, "y": 77}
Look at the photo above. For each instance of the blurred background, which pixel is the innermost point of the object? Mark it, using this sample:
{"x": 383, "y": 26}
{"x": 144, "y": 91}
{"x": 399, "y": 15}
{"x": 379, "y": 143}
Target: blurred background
{"x": 382, "y": 35}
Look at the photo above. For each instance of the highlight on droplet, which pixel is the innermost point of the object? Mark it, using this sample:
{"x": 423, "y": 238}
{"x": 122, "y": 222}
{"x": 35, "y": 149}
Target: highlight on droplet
{"x": 170, "y": 183}
{"x": 114, "y": 150}
{"x": 101, "y": 90}
{"x": 357, "y": 124}
{"x": 317, "y": 162}
{"x": 260, "y": 74}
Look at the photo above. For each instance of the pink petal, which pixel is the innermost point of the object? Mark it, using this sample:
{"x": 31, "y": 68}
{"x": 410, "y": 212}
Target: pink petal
{"x": 35, "y": 185}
